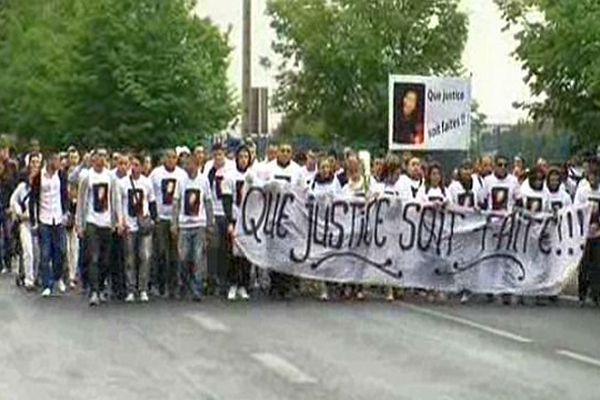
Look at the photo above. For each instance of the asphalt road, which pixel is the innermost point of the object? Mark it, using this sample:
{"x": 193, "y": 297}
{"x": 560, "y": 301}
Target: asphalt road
{"x": 59, "y": 348}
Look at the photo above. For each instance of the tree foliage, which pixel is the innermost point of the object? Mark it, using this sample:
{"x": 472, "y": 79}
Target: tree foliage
{"x": 558, "y": 47}
{"x": 337, "y": 55}
{"x": 136, "y": 73}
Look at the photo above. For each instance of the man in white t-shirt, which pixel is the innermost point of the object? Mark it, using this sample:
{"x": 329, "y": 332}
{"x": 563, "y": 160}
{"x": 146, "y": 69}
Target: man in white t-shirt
{"x": 284, "y": 170}
{"x": 97, "y": 215}
{"x": 164, "y": 180}
{"x": 137, "y": 203}
{"x": 500, "y": 190}
{"x": 192, "y": 216}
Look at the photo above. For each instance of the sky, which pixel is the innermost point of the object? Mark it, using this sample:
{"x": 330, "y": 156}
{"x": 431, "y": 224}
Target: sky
{"x": 496, "y": 77}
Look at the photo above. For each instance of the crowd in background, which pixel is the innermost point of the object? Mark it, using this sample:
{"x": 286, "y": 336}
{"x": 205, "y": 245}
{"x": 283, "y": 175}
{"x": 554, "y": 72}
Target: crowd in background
{"x": 124, "y": 226}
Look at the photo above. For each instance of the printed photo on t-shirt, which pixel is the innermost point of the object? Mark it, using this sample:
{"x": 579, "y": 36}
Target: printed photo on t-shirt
{"x": 286, "y": 178}
{"x": 135, "y": 202}
{"x": 239, "y": 186}
{"x": 191, "y": 198}
{"x": 533, "y": 204}
{"x": 466, "y": 200}
{"x": 499, "y": 198}
{"x": 167, "y": 187}
{"x": 219, "y": 186}
{"x": 556, "y": 205}
{"x": 100, "y": 197}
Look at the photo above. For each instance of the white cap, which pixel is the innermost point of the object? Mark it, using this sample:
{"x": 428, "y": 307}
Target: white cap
{"x": 182, "y": 150}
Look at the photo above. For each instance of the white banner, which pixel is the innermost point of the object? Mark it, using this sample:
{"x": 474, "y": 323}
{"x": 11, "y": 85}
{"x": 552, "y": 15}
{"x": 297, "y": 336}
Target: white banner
{"x": 384, "y": 242}
{"x": 429, "y": 113}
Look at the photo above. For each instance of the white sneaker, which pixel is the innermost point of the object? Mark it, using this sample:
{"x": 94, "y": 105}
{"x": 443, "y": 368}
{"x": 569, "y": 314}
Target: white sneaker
{"x": 144, "y": 297}
{"x": 94, "y": 299}
{"x": 61, "y": 286}
{"x": 360, "y": 295}
{"x": 5, "y": 271}
{"x": 243, "y": 293}
{"x": 46, "y": 293}
{"x": 103, "y": 297}
{"x": 130, "y": 298}
{"x": 464, "y": 298}
{"x": 324, "y": 295}
{"x": 232, "y": 293}
{"x": 390, "y": 295}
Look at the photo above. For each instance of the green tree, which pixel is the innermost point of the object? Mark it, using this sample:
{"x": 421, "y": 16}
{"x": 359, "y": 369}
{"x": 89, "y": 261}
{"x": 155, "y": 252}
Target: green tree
{"x": 135, "y": 73}
{"x": 337, "y": 56}
{"x": 558, "y": 48}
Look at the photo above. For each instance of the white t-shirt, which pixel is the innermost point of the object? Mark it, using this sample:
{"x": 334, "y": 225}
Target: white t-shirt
{"x": 557, "y": 200}
{"x": 235, "y": 184}
{"x": 357, "y": 189}
{"x": 500, "y": 194}
{"x": 308, "y": 176}
{"x": 291, "y": 173}
{"x": 407, "y": 187}
{"x": 164, "y": 184}
{"x": 331, "y": 188}
{"x": 135, "y": 203}
{"x": 192, "y": 195}
{"x": 217, "y": 186}
{"x": 432, "y": 195}
{"x": 459, "y": 196}
{"x": 99, "y": 199}
{"x": 533, "y": 200}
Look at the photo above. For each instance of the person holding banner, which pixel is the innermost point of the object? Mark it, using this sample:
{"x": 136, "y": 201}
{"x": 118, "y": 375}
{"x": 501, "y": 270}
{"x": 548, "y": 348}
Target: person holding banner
{"x": 556, "y": 194}
{"x": 233, "y": 194}
{"x": 499, "y": 194}
{"x": 433, "y": 194}
{"x": 533, "y": 193}
{"x": 285, "y": 171}
{"x": 325, "y": 184}
{"x": 588, "y": 192}
{"x": 409, "y": 183}
{"x": 464, "y": 192}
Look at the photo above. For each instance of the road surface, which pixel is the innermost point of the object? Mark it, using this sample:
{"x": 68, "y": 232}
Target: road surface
{"x": 59, "y": 348}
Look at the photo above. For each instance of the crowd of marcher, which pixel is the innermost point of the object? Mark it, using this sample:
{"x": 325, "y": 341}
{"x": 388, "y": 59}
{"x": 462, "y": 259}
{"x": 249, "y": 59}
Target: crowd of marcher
{"x": 116, "y": 226}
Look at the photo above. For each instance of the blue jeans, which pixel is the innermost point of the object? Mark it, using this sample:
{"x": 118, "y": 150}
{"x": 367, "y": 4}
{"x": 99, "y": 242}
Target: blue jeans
{"x": 52, "y": 250}
{"x": 191, "y": 245}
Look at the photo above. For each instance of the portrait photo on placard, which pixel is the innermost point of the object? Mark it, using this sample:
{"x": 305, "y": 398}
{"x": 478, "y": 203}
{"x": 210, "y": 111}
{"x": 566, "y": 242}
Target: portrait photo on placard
{"x": 409, "y": 113}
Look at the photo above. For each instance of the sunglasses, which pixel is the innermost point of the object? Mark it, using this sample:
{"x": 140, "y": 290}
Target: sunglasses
{"x": 502, "y": 165}
{"x": 286, "y": 150}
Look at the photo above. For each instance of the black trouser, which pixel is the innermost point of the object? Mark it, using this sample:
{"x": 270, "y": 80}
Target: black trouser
{"x": 97, "y": 244}
{"x": 219, "y": 256}
{"x": 117, "y": 266}
{"x": 589, "y": 270}
{"x": 239, "y": 272}
{"x": 282, "y": 284}
{"x": 167, "y": 258}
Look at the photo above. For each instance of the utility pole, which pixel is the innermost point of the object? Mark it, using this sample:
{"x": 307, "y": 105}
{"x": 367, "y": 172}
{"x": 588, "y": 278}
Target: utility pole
{"x": 246, "y": 66}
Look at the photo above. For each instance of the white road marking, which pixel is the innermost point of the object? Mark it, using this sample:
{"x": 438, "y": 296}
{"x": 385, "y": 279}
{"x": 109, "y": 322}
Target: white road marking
{"x": 283, "y": 368}
{"x": 579, "y": 357}
{"x": 208, "y": 323}
{"x": 471, "y": 324}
